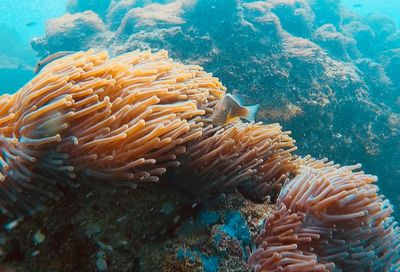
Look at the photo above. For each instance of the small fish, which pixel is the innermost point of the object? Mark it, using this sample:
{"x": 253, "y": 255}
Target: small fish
{"x": 30, "y": 24}
{"x": 357, "y": 5}
{"x": 51, "y": 58}
{"x": 230, "y": 108}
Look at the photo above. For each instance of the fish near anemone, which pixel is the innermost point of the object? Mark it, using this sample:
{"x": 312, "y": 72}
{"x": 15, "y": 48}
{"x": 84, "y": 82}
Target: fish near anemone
{"x": 230, "y": 108}
{"x": 119, "y": 121}
{"x": 89, "y": 117}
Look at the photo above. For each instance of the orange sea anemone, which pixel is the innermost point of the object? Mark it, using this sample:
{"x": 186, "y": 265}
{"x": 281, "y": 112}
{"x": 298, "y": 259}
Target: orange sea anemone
{"x": 256, "y": 157}
{"x": 87, "y": 116}
{"x": 90, "y": 118}
{"x": 328, "y": 217}
{"x": 118, "y": 121}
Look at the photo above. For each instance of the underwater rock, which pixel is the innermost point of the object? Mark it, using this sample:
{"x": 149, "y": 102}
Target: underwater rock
{"x": 153, "y": 15}
{"x": 364, "y": 36}
{"x": 232, "y": 237}
{"x": 71, "y": 32}
{"x": 337, "y": 44}
{"x": 326, "y": 12}
{"x": 391, "y": 62}
{"x": 382, "y": 25}
{"x": 393, "y": 41}
{"x": 125, "y": 231}
{"x": 375, "y": 75}
{"x": 295, "y": 17}
{"x": 285, "y": 111}
{"x": 117, "y": 11}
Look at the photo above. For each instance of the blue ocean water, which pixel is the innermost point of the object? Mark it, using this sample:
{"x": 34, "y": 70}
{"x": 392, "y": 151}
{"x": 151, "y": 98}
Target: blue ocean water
{"x": 21, "y": 21}
{"x": 389, "y": 8}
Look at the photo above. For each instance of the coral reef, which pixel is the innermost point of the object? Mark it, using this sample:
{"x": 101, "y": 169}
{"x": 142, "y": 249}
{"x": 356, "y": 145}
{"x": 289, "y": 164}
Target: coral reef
{"x": 88, "y": 118}
{"x": 329, "y": 217}
{"x": 328, "y": 74}
{"x": 309, "y": 54}
{"x": 150, "y": 15}
{"x": 391, "y": 62}
{"x": 117, "y": 11}
{"x": 130, "y": 230}
{"x": 337, "y": 44}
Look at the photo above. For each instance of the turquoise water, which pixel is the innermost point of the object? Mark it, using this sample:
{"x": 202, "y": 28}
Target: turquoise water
{"x": 389, "y": 8}
{"x": 27, "y": 18}
{"x": 21, "y": 21}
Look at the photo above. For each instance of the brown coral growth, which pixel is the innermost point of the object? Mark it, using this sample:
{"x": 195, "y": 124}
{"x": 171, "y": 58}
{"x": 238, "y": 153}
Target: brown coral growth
{"x": 328, "y": 217}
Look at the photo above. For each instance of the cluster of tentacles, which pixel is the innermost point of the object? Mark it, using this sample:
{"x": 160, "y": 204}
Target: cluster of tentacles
{"x": 91, "y": 118}
{"x": 257, "y": 158}
{"x": 329, "y": 218}
{"x": 88, "y": 118}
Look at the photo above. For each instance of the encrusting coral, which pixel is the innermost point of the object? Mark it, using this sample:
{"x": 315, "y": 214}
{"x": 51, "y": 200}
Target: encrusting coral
{"x": 89, "y": 118}
{"x": 329, "y": 217}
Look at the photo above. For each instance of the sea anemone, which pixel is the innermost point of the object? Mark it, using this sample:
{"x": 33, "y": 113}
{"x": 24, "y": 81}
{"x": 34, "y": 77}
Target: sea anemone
{"x": 88, "y": 118}
{"x": 256, "y": 157}
{"x": 328, "y": 217}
